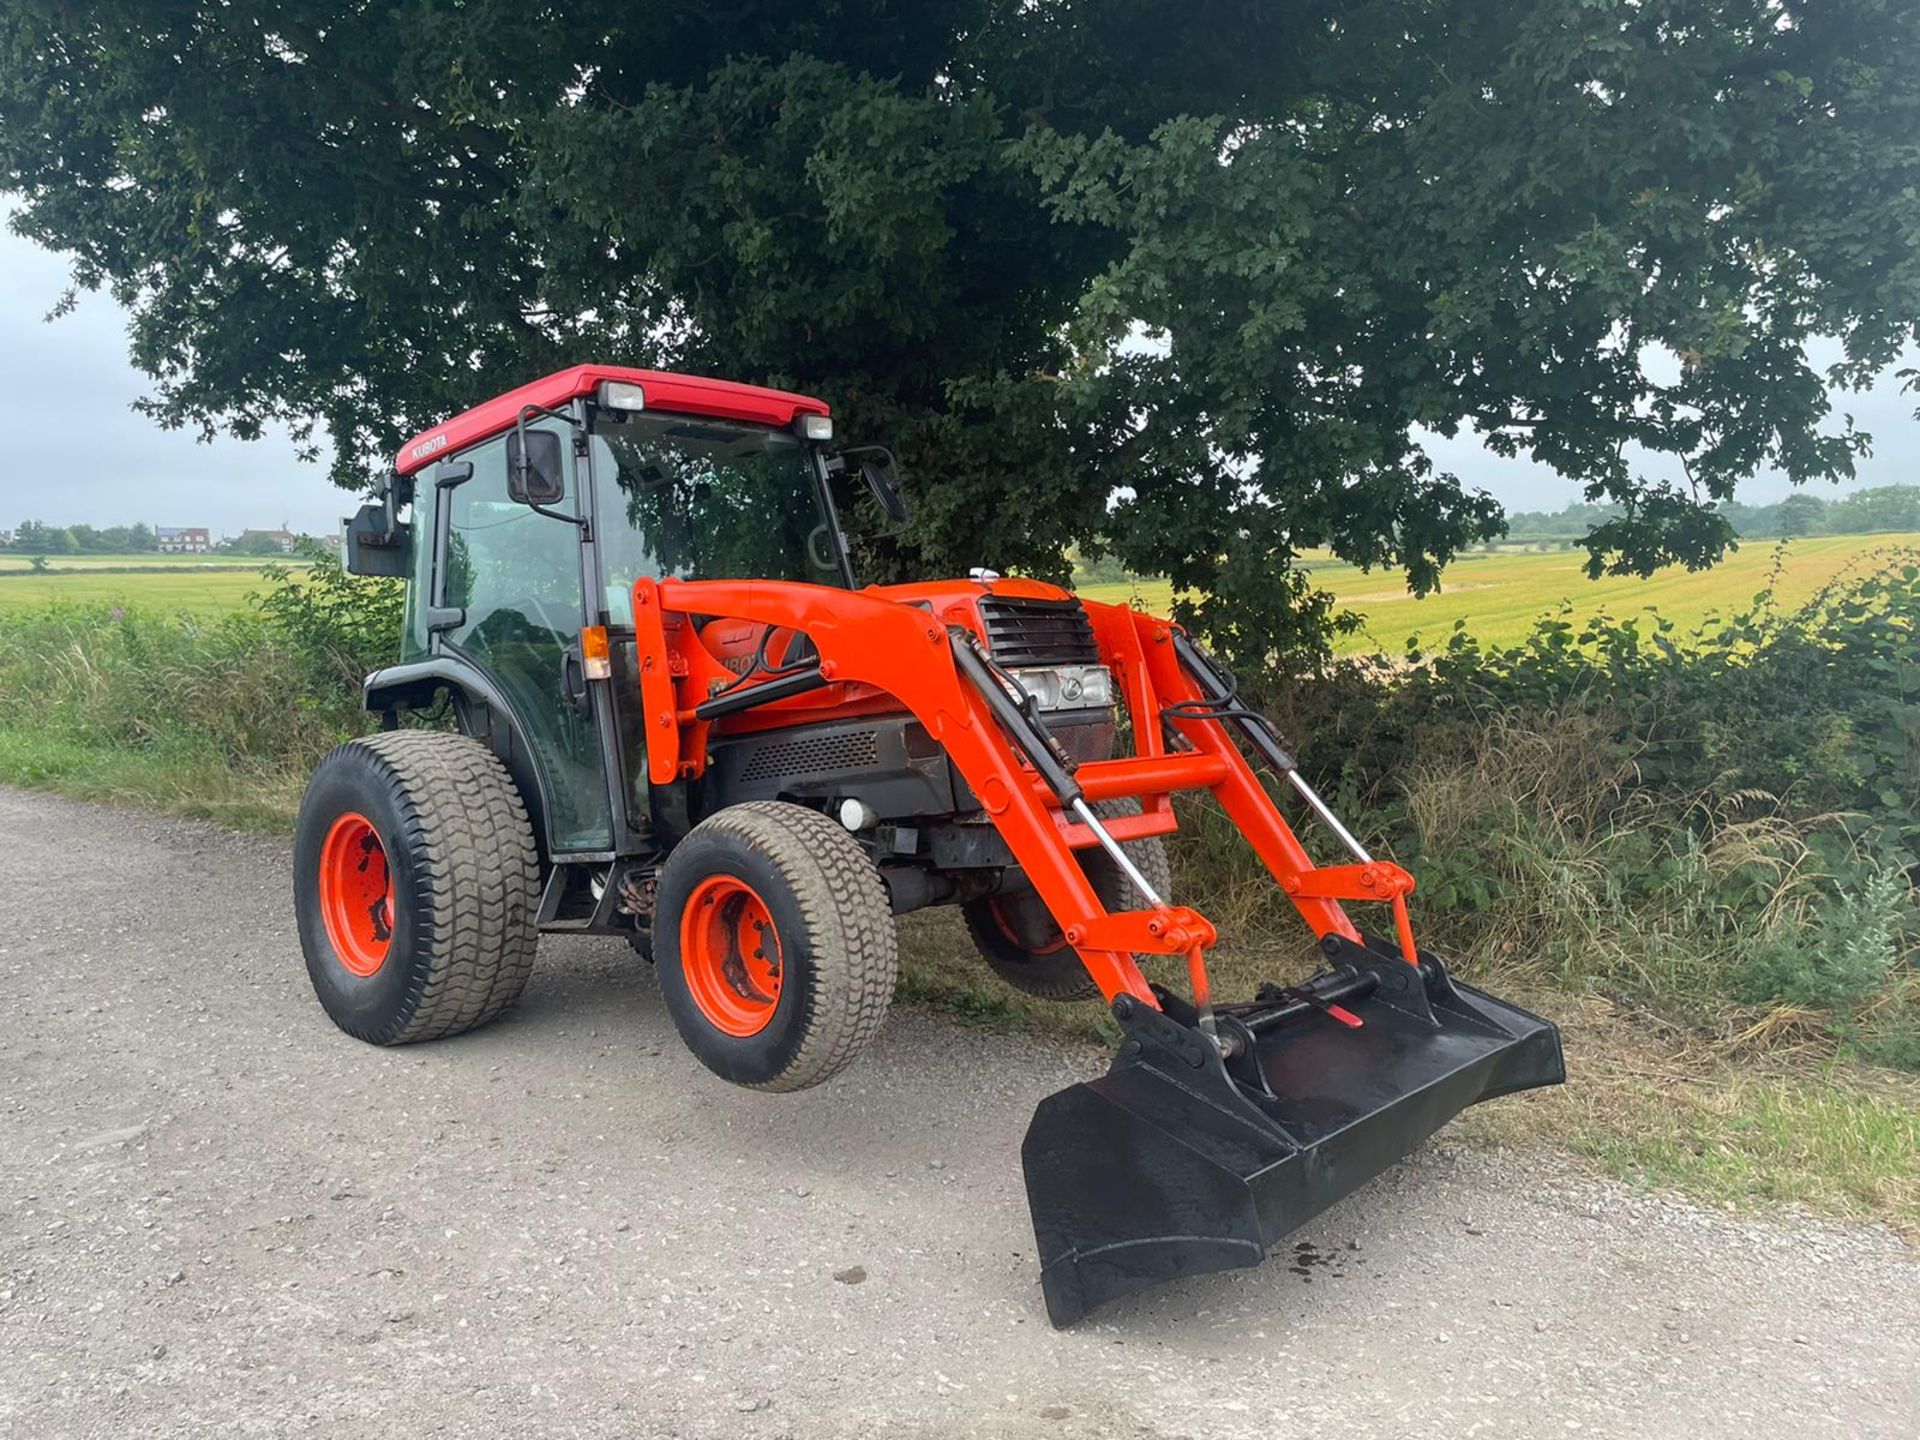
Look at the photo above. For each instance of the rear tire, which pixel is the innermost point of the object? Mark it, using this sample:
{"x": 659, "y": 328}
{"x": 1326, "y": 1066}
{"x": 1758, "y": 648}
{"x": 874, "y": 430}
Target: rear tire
{"x": 774, "y": 945}
{"x": 1021, "y": 942}
{"x": 434, "y": 822}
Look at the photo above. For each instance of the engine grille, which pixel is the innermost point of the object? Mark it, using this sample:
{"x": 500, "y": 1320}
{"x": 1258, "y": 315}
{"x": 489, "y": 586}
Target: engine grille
{"x": 1037, "y": 632}
{"x": 829, "y": 753}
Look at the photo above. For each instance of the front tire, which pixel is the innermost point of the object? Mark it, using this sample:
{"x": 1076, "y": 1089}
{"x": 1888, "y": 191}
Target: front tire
{"x": 774, "y": 945}
{"x": 416, "y": 886}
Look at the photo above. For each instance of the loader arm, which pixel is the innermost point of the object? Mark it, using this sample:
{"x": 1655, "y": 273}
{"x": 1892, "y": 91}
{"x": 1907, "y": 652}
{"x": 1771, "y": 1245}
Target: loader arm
{"x": 907, "y": 653}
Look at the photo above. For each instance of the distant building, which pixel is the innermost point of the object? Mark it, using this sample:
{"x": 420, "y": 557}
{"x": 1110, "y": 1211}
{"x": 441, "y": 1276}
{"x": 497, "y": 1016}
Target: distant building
{"x": 178, "y": 540}
{"x": 6, "y": 537}
{"x": 285, "y": 539}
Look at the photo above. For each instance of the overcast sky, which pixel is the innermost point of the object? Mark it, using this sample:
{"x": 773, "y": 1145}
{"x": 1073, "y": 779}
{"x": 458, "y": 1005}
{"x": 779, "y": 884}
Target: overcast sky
{"x": 78, "y": 453}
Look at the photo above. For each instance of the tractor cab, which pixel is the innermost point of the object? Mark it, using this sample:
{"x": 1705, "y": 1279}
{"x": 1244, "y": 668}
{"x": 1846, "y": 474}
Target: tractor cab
{"x": 532, "y": 518}
{"x": 522, "y": 526}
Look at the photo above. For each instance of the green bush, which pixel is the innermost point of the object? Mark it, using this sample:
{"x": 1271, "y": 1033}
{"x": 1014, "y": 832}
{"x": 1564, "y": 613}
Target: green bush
{"x": 1724, "y": 824}
{"x": 1843, "y": 957}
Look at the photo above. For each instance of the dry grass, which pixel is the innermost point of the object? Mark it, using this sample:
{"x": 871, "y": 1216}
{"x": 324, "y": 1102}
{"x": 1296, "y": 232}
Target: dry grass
{"x": 1662, "y": 1109}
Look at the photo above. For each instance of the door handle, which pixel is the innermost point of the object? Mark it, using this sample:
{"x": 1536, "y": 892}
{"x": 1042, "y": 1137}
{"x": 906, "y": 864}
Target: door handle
{"x": 573, "y": 681}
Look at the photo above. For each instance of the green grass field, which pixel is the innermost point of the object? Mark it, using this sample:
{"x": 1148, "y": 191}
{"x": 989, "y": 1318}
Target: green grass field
{"x": 141, "y": 562}
{"x": 190, "y": 589}
{"x": 1500, "y": 593}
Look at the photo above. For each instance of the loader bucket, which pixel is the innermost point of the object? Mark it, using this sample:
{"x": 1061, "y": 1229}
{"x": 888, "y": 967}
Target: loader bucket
{"x": 1180, "y": 1162}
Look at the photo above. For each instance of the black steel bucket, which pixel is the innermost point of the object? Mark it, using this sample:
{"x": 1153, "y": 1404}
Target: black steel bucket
{"x": 1179, "y": 1162}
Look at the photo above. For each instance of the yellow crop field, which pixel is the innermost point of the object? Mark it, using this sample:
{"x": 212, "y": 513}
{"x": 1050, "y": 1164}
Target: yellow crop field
{"x": 1501, "y": 593}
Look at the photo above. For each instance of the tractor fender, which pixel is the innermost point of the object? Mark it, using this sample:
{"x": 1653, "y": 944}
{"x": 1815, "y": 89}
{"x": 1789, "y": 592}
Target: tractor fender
{"x": 481, "y": 711}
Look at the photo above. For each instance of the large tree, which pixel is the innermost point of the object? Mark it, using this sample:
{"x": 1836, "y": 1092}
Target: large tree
{"x": 1182, "y": 282}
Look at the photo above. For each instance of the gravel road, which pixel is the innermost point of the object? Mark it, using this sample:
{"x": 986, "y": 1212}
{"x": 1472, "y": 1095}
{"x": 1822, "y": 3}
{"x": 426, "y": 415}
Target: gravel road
{"x": 220, "y": 1216}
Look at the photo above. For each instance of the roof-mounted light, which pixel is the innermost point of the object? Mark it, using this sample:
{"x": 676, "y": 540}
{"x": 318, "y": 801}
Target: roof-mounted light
{"x": 817, "y": 427}
{"x": 620, "y": 395}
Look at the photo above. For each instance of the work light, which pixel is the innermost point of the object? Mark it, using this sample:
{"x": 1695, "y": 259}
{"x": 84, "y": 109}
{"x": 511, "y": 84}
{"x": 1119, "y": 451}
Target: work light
{"x": 621, "y": 395}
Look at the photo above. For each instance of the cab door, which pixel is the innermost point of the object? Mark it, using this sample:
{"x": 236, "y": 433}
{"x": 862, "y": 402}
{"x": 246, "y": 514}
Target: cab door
{"x": 508, "y": 600}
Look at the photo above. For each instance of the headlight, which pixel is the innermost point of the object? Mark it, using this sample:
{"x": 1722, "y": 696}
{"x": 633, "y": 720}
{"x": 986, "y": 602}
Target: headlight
{"x": 1066, "y": 687}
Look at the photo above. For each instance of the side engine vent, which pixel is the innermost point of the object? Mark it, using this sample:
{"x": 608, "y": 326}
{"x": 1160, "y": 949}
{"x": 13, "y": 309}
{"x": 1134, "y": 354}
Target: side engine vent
{"x": 824, "y": 754}
{"x": 1021, "y": 631}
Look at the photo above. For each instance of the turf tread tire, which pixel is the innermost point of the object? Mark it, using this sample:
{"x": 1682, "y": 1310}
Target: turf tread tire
{"x": 850, "y": 947}
{"x": 467, "y": 877}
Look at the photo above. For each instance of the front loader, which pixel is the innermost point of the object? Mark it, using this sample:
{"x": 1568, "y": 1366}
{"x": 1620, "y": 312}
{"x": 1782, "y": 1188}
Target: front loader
{"x": 680, "y": 721}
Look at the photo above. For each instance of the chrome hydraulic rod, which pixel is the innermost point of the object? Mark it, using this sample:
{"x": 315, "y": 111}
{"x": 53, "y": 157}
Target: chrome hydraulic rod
{"x": 1325, "y": 812}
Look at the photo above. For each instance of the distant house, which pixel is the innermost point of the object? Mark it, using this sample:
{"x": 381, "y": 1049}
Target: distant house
{"x": 6, "y": 537}
{"x": 179, "y": 540}
{"x": 251, "y": 539}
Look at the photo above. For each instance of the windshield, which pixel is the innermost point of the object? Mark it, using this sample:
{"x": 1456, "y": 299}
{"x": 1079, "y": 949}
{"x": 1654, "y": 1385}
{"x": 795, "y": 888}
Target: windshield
{"x": 698, "y": 499}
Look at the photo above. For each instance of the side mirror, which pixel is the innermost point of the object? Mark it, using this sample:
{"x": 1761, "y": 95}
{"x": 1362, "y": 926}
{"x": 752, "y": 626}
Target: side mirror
{"x": 884, "y": 490}
{"x": 374, "y": 543}
{"x": 534, "y": 473}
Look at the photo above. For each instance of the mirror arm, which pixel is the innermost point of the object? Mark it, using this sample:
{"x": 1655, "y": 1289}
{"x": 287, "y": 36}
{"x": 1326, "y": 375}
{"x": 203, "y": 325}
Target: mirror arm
{"x": 579, "y": 520}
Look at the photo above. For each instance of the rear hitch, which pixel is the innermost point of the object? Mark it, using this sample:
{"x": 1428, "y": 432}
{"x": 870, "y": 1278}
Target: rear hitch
{"x": 1193, "y": 1155}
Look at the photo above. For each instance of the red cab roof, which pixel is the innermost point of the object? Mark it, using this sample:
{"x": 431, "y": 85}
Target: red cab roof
{"x": 681, "y": 394}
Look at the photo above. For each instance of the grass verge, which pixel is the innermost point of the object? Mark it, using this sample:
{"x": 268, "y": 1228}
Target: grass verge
{"x": 173, "y": 780}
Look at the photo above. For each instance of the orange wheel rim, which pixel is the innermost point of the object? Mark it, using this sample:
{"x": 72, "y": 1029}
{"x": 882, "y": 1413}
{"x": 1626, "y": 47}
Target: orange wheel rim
{"x": 730, "y": 956}
{"x": 1007, "y": 928}
{"x": 356, "y": 894}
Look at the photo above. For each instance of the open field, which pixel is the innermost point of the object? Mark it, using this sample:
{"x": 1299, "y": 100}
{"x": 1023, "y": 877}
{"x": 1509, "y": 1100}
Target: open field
{"x": 1501, "y": 593}
{"x": 145, "y": 560}
{"x": 192, "y": 589}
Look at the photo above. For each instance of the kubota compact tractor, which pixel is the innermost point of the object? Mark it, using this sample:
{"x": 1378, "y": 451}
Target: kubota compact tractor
{"x": 681, "y": 721}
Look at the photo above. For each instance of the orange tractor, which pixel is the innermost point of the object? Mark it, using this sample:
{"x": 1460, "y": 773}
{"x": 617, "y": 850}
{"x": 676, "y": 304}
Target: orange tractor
{"x": 680, "y": 720}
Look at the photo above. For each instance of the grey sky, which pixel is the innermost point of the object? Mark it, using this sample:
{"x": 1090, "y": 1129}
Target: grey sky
{"x": 77, "y": 452}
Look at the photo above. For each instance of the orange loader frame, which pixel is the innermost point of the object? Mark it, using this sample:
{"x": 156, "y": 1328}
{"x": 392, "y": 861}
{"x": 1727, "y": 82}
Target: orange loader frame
{"x": 905, "y": 652}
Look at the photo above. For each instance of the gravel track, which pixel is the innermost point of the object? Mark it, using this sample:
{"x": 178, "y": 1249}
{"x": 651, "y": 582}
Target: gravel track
{"x": 220, "y": 1216}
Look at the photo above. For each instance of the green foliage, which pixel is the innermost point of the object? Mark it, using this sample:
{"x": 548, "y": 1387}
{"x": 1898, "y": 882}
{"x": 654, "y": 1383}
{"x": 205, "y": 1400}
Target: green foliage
{"x": 35, "y": 536}
{"x": 956, "y": 219}
{"x": 1884, "y": 509}
{"x": 1843, "y": 958}
{"x": 1730, "y": 816}
{"x": 1820, "y": 704}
